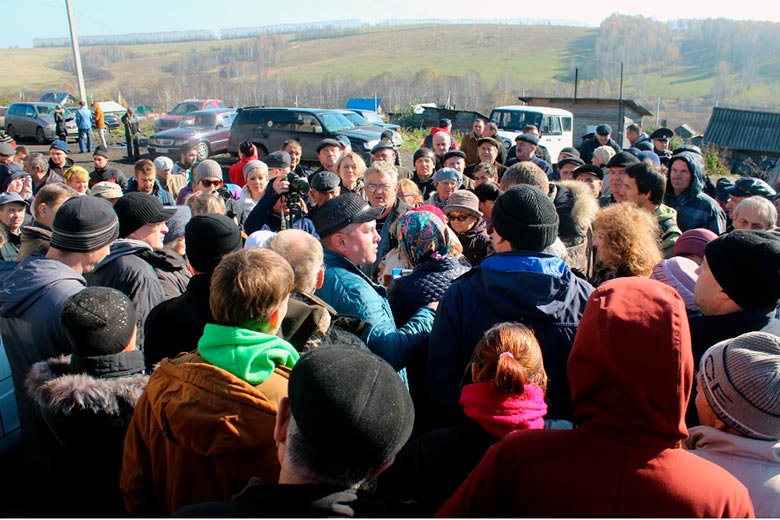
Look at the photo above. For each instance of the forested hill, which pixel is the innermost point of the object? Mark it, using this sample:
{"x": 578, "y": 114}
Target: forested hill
{"x": 679, "y": 69}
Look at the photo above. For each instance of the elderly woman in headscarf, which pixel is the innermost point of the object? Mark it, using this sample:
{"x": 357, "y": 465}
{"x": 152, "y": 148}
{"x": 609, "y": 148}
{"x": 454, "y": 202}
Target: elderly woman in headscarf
{"x": 433, "y": 254}
{"x": 432, "y": 251}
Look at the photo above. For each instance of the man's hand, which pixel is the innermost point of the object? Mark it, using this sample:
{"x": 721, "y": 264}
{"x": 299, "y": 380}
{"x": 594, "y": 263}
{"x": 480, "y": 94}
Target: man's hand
{"x": 433, "y": 305}
{"x": 280, "y": 185}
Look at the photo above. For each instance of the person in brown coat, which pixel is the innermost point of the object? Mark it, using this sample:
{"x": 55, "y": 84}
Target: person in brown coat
{"x": 205, "y": 424}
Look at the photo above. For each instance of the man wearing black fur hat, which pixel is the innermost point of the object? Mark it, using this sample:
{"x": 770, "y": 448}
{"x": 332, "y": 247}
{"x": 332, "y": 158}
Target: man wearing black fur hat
{"x": 518, "y": 283}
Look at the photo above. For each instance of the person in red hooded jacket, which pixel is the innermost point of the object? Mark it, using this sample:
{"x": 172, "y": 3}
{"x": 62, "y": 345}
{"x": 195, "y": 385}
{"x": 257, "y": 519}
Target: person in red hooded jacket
{"x": 630, "y": 371}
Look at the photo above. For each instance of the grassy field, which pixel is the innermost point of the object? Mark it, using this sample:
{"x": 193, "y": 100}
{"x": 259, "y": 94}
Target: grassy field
{"x": 540, "y": 59}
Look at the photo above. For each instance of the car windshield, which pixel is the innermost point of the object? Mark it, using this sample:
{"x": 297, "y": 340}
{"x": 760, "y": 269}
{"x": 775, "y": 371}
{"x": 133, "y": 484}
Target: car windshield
{"x": 372, "y": 117}
{"x": 515, "y": 119}
{"x": 334, "y": 122}
{"x": 198, "y": 121}
{"x": 46, "y": 110}
{"x": 184, "y": 108}
{"x": 356, "y": 119}
{"x": 68, "y": 114}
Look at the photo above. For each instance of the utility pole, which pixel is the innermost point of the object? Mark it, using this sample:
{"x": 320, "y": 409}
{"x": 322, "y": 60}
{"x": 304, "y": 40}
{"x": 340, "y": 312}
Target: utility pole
{"x": 74, "y": 41}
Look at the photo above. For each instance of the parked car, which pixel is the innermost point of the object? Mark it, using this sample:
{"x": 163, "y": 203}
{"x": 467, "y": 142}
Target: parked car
{"x": 36, "y": 119}
{"x": 372, "y": 117}
{"x": 207, "y": 130}
{"x": 361, "y": 122}
{"x": 556, "y": 125}
{"x": 269, "y": 128}
{"x": 112, "y": 121}
{"x": 172, "y": 118}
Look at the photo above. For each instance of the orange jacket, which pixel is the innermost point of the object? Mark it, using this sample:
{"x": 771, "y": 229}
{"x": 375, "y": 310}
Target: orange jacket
{"x": 198, "y": 434}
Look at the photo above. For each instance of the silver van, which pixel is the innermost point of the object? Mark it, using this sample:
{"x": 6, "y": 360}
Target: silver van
{"x": 36, "y": 120}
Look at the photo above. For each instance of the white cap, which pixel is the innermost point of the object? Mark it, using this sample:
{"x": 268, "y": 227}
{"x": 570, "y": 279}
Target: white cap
{"x": 163, "y": 163}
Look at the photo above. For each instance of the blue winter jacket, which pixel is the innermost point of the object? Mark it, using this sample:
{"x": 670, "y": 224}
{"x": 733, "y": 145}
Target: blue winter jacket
{"x": 533, "y": 288}
{"x": 348, "y": 290}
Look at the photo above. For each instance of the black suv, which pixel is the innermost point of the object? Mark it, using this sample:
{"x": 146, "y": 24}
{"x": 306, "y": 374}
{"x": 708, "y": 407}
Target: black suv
{"x": 269, "y": 128}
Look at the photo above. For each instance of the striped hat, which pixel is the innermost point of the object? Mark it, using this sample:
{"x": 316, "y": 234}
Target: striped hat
{"x": 84, "y": 224}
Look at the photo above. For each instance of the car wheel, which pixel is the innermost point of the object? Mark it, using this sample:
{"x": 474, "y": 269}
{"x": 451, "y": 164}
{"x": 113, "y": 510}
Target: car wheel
{"x": 10, "y": 131}
{"x": 40, "y": 135}
{"x": 203, "y": 151}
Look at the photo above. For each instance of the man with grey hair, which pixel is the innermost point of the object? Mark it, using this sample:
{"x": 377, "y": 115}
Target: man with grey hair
{"x": 309, "y": 319}
{"x": 755, "y": 213}
{"x": 381, "y": 180}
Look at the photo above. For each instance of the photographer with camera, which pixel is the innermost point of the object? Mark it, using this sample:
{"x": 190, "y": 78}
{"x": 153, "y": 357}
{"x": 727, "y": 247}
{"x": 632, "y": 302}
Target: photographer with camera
{"x": 283, "y": 205}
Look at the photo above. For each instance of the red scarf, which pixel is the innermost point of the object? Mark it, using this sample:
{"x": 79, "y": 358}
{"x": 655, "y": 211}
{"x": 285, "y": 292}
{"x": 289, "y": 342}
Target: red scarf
{"x": 500, "y": 413}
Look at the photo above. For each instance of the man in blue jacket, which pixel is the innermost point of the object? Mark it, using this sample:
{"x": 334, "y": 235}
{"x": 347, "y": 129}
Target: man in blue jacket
{"x": 518, "y": 283}
{"x": 347, "y": 228}
{"x": 84, "y": 124}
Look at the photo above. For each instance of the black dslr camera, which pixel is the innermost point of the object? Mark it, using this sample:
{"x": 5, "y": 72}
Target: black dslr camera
{"x": 299, "y": 188}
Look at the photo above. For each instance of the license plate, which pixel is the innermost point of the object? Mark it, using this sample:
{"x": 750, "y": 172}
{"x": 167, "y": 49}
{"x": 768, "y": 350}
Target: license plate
{"x": 161, "y": 150}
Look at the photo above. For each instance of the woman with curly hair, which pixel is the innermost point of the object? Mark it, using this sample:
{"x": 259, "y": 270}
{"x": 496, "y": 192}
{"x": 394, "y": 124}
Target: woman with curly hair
{"x": 626, "y": 241}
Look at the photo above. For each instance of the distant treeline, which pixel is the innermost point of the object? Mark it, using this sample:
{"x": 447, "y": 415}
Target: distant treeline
{"x": 189, "y": 36}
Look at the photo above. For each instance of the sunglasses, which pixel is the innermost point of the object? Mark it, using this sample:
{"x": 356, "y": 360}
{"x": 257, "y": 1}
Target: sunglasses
{"x": 207, "y": 183}
{"x": 459, "y": 218}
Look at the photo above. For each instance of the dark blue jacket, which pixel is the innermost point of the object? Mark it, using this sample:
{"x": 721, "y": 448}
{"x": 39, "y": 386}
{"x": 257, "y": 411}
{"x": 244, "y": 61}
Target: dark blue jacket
{"x": 533, "y": 288}
{"x": 158, "y": 191}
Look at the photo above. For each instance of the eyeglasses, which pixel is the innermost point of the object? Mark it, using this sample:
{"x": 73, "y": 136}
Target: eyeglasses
{"x": 207, "y": 183}
{"x": 458, "y": 218}
{"x": 378, "y": 187}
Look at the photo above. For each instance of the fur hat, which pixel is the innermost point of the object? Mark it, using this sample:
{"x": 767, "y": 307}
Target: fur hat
{"x": 741, "y": 382}
{"x": 526, "y": 217}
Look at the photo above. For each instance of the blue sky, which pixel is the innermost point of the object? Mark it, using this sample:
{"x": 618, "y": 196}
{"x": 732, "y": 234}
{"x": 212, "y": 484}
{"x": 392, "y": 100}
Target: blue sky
{"x": 28, "y": 19}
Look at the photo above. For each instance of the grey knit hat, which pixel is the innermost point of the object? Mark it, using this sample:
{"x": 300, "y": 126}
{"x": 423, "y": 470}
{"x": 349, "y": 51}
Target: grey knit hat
{"x": 448, "y": 173}
{"x": 526, "y": 217}
{"x": 84, "y": 224}
{"x": 254, "y": 165}
{"x": 176, "y": 223}
{"x": 463, "y": 200}
{"x": 208, "y": 169}
{"x": 741, "y": 381}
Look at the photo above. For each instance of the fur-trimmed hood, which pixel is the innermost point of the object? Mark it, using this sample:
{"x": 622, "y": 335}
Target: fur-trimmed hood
{"x": 51, "y": 385}
{"x": 585, "y": 205}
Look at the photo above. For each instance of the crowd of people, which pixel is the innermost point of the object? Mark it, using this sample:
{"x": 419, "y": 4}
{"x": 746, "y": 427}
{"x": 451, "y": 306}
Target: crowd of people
{"x": 487, "y": 332}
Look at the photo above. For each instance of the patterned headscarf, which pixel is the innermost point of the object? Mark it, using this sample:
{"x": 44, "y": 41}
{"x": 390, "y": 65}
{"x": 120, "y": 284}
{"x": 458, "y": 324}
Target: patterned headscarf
{"x": 422, "y": 236}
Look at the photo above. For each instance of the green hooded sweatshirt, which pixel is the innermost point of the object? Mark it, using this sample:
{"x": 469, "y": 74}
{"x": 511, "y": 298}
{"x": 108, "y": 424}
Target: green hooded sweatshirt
{"x": 248, "y": 355}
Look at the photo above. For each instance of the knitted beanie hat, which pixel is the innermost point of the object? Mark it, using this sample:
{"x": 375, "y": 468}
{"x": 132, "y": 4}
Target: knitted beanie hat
{"x": 680, "y": 273}
{"x": 693, "y": 242}
{"x": 741, "y": 381}
{"x": 84, "y": 224}
{"x": 98, "y": 321}
{"x": 208, "y": 169}
{"x": 208, "y": 238}
{"x": 746, "y": 264}
{"x": 424, "y": 152}
{"x": 176, "y": 223}
{"x": 526, "y": 217}
{"x": 448, "y": 174}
